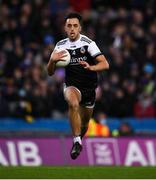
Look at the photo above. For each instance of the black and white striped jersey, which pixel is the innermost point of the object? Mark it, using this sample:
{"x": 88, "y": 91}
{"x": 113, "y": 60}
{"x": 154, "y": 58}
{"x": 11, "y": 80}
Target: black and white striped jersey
{"x": 84, "y": 49}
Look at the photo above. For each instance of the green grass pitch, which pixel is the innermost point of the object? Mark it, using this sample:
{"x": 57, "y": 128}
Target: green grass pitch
{"x": 78, "y": 172}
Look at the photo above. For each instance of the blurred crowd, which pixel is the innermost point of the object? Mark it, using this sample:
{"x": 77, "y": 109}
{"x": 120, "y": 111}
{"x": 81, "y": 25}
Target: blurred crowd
{"x": 125, "y": 33}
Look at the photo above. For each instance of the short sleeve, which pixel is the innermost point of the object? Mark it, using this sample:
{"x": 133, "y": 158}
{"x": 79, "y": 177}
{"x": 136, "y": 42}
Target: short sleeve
{"x": 93, "y": 49}
{"x": 56, "y": 47}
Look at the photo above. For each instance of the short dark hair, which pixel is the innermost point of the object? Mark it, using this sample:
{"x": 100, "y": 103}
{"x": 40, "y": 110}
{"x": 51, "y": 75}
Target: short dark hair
{"x": 74, "y": 15}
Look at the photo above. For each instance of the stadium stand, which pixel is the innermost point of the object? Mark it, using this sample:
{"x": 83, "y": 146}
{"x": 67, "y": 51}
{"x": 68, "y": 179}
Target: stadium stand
{"x": 126, "y": 34}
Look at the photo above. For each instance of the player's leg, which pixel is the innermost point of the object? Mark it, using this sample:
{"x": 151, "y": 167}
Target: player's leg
{"x": 86, "y": 114}
{"x": 73, "y": 98}
{"x": 86, "y": 109}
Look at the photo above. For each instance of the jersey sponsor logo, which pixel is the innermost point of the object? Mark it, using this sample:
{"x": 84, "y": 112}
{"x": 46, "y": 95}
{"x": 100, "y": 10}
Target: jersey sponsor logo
{"x": 74, "y": 61}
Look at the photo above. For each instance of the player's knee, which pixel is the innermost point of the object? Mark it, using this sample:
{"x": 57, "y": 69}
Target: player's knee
{"x": 74, "y": 105}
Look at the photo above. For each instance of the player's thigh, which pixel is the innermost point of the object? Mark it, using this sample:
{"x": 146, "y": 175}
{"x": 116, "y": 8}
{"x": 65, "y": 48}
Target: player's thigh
{"x": 86, "y": 114}
{"x": 72, "y": 95}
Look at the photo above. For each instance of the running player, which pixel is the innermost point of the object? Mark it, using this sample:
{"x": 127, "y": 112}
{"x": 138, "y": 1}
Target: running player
{"x": 81, "y": 77}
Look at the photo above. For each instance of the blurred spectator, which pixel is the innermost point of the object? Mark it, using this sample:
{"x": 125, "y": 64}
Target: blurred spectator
{"x": 118, "y": 108}
{"x": 125, "y": 129}
{"x": 3, "y": 106}
{"x": 58, "y": 6}
{"x": 98, "y": 126}
{"x": 144, "y": 107}
{"x": 81, "y": 6}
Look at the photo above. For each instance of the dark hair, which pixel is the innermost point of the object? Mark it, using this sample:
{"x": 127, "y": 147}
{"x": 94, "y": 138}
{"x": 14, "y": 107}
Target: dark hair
{"x": 74, "y": 15}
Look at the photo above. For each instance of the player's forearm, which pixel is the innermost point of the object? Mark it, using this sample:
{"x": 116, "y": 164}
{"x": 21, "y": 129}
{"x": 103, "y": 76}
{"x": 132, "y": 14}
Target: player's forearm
{"x": 100, "y": 66}
{"x": 51, "y": 67}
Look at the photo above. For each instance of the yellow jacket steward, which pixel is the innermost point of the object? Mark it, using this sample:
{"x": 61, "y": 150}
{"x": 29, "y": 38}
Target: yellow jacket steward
{"x": 97, "y": 129}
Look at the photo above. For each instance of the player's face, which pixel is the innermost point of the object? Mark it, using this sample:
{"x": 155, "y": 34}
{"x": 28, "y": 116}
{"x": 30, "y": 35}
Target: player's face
{"x": 73, "y": 28}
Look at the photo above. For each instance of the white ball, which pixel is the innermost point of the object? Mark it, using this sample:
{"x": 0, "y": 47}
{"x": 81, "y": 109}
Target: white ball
{"x": 65, "y": 60}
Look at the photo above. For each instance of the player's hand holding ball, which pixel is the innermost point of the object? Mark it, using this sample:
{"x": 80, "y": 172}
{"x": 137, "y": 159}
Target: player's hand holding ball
{"x": 61, "y": 57}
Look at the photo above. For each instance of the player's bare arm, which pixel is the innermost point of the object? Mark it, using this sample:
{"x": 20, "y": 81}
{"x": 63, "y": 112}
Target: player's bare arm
{"x": 55, "y": 56}
{"x": 101, "y": 65}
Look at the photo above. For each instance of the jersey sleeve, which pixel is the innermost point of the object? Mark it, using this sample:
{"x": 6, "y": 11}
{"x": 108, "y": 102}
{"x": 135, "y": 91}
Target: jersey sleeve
{"x": 93, "y": 50}
{"x": 56, "y": 47}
